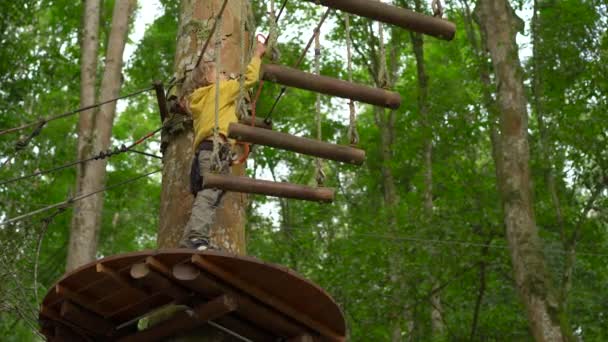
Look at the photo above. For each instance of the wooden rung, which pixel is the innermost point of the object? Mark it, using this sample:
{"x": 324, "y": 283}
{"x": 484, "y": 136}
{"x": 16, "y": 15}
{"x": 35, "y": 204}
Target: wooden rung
{"x": 185, "y": 321}
{"x": 86, "y": 319}
{"x": 154, "y": 281}
{"x": 331, "y": 86}
{"x": 190, "y": 276}
{"x": 394, "y": 15}
{"x": 345, "y": 154}
{"x": 258, "y": 122}
{"x": 267, "y": 188}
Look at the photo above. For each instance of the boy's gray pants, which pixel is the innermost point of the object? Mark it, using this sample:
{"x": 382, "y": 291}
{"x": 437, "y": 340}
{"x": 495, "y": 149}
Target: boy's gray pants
{"x": 207, "y": 200}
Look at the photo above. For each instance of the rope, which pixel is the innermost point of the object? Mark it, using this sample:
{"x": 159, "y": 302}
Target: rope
{"x": 273, "y": 23}
{"x": 273, "y": 35}
{"x": 240, "y": 106}
{"x": 100, "y": 155}
{"x": 216, "y": 128}
{"x": 319, "y": 174}
{"x": 353, "y": 134}
{"x": 45, "y": 226}
{"x": 44, "y": 121}
{"x": 297, "y": 65}
{"x": 437, "y": 8}
{"x": 71, "y": 201}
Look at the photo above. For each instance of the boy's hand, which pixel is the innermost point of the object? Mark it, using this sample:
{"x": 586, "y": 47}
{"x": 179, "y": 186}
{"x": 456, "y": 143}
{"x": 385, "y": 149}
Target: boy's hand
{"x": 260, "y": 49}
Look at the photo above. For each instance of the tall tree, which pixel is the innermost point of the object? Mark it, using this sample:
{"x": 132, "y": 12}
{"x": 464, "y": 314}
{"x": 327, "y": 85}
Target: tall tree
{"x": 196, "y": 20}
{"x": 500, "y": 25}
{"x": 87, "y": 213}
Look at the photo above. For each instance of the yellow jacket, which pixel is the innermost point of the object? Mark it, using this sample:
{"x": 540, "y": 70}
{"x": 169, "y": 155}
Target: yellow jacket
{"x": 202, "y": 104}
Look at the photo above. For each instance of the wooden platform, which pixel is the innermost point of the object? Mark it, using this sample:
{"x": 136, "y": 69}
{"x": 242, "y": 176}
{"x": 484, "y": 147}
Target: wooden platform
{"x": 252, "y": 300}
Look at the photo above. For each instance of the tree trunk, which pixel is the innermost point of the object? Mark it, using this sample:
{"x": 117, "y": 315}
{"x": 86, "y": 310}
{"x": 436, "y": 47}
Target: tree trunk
{"x": 500, "y": 26}
{"x": 84, "y": 234}
{"x": 176, "y": 201}
{"x": 228, "y": 232}
{"x": 88, "y": 79}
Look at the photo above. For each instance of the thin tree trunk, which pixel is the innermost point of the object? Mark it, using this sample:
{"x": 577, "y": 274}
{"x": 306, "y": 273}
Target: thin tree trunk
{"x": 88, "y": 79}
{"x": 176, "y": 201}
{"x": 84, "y": 235}
{"x": 500, "y": 25}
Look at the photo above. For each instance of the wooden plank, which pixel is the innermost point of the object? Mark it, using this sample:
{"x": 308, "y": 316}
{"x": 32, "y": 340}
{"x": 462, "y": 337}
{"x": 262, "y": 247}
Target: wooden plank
{"x": 262, "y": 316}
{"x": 185, "y": 321}
{"x": 266, "y": 298}
{"x": 159, "y": 267}
{"x": 83, "y": 318}
{"x": 120, "y": 279}
{"x": 59, "y": 321}
{"x": 86, "y": 302}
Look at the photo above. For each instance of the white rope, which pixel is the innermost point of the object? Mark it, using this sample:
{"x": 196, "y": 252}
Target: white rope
{"x": 320, "y": 175}
{"x": 353, "y": 134}
{"x": 241, "y": 108}
{"x": 218, "y": 47}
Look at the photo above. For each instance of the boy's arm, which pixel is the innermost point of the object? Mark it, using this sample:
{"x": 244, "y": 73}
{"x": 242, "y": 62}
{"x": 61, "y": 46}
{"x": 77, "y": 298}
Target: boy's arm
{"x": 253, "y": 72}
{"x": 252, "y": 75}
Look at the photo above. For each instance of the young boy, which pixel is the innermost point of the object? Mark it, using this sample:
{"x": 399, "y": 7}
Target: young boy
{"x": 202, "y": 107}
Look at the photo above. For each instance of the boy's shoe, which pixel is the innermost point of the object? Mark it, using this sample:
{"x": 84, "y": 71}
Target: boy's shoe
{"x": 199, "y": 244}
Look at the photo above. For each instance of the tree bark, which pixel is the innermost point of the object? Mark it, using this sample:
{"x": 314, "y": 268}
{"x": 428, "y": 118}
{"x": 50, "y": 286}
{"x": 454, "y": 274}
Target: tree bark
{"x": 500, "y": 26}
{"x": 88, "y": 78}
{"x": 87, "y": 213}
{"x": 196, "y": 18}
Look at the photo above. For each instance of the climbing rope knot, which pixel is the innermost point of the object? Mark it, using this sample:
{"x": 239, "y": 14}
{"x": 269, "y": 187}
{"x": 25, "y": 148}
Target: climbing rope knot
{"x": 24, "y": 141}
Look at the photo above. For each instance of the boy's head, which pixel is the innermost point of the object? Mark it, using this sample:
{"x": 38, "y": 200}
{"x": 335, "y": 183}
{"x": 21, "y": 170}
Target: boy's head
{"x": 208, "y": 73}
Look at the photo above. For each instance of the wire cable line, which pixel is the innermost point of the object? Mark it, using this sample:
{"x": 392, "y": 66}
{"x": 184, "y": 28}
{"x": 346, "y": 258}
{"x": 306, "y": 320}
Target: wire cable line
{"x": 70, "y": 201}
{"x": 43, "y": 121}
{"x": 101, "y": 155}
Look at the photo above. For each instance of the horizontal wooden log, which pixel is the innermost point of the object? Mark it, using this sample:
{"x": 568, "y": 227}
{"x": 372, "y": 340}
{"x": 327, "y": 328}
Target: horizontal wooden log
{"x": 261, "y": 187}
{"x": 311, "y": 147}
{"x": 394, "y": 15}
{"x": 264, "y": 317}
{"x": 183, "y": 322}
{"x": 258, "y": 122}
{"x": 330, "y": 86}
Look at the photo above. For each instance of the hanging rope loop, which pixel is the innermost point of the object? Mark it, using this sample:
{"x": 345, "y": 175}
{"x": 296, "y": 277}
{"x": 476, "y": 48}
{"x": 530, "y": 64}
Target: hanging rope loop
{"x": 437, "y": 8}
